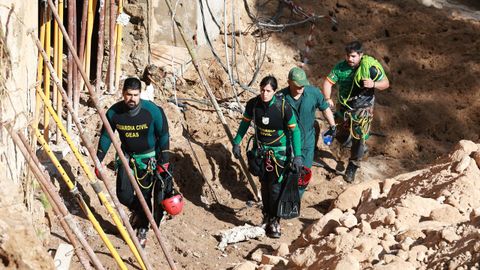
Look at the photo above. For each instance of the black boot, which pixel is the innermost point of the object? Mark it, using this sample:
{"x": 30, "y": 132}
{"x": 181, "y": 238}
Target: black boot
{"x": 142, "y": 236}
{"x": 273, "y": 229}
{"x": 265, "y": 222}
{"x": 350, "y": 172}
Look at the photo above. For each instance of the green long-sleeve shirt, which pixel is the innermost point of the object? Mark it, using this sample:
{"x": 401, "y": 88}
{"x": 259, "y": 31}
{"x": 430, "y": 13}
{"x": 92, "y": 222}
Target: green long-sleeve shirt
{"x": 274, "y": 121}
{"x": 141, "y": 130}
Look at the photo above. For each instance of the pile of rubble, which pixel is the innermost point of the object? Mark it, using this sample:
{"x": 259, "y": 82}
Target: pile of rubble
{"x": 427, "y": 219}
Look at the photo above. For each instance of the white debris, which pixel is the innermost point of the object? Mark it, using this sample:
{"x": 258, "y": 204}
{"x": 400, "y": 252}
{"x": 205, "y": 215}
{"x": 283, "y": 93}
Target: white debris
{"x": 238, "y": 234}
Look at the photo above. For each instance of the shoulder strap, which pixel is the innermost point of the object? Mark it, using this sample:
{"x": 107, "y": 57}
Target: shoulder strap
{"x": 281, "y": 106}
{"x": 254, "y": 121}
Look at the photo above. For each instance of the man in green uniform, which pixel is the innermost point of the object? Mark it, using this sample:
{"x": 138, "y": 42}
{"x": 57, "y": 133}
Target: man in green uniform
{"x": 143, "y": 131}
{"x": 275, "y": 135}
{"x": 357, "y": 77}
{"x": 305, "y": 99}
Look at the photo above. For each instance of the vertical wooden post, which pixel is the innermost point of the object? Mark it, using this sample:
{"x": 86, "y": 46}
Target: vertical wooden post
{"x": 100, "y": 48}
{"x": 118, "y": 50}
{"x": 83, "y": 36}
{"x": 111, "y": 53}
{"x": 38, "y": 100}
{"x": 71, "y": 26}
{"x": 92, "y": 6}
{"x": 46, "y": 74}
{"x": 60, "y": 61}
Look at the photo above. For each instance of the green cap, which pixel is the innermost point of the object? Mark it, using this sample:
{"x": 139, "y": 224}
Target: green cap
{"x": 298, "y": 77}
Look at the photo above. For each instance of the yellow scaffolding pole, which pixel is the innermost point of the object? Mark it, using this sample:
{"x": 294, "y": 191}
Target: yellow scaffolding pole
{"x": 141, "y": 256}
{"x": 92, "y": 5}
{"x": 118, "y": 49}
{"x": 80, "y": 200}
{"x": 46, "y": 74}
{"x": 93, "y": 181}
{"x": 56, "y": 60}
{"x": 59, "y": 67}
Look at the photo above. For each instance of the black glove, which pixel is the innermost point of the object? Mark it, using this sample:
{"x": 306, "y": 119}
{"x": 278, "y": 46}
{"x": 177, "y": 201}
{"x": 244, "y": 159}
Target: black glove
{"x": 237, "y": 153}
{"x": 332, "y": 131}
{"x": 297, "y": 164}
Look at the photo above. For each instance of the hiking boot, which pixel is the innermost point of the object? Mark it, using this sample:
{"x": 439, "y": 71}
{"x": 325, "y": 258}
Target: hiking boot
{"x": 350, "y": 172}
{"x": 142, "y": 236}
{"x": 265, "y": 222}
{"x": 273, "y": 229}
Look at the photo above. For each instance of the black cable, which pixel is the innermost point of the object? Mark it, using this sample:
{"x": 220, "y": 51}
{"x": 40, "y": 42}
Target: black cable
{"x": 211, "y": 14}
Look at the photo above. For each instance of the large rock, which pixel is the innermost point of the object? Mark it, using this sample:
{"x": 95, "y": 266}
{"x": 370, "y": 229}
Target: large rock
{"x": 382, "y": 216}
{"x": 350, "y": 197}
{"x": 348, "y": 220}
{"x": 344, "y": 243}
{"x": 447, "y": 213}
{"x": 422, "y": 206}
{"x": 406, "y": 218}
{"x": 282, "y": 250}
{"x": 462, "y": 149}
{"x": 301, "y": 258}
{"x": 324, "y": 225}
{"x": 348, "y": 262}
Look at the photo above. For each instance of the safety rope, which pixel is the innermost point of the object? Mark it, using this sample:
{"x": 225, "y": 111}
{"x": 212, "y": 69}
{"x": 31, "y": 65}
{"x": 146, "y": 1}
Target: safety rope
{"x": 359, "y": 123}
{"x": 362, "y": 72}
{"x": 269, "y": 157}
{"x": 149, "y": 170}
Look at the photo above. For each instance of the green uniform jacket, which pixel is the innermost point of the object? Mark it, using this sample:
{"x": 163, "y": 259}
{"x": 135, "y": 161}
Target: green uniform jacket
{"x": 304, "y": 108}
{"x": 141, "y": 130}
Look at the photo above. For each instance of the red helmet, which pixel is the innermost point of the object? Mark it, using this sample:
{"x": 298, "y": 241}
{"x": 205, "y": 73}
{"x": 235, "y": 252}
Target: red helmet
{"x": 173, "y": 204}
{"x": 305, "y": 176}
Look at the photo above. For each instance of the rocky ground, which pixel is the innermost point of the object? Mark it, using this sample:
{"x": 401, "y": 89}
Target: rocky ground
{"x": 413, "y": 204}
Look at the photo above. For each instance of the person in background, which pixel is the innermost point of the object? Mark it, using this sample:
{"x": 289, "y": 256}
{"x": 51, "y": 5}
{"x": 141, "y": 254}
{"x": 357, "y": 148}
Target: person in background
{"x": 305, "y": 99}
{"x": 356, "y": 77}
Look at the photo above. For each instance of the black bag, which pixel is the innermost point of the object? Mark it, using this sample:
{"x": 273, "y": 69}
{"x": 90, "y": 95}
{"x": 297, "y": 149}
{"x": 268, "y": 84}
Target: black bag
{"x": 289, "y": 200}
{"x": 255, "y": 163}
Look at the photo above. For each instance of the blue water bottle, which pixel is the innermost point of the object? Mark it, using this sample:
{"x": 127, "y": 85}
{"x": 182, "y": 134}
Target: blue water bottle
{"x": 327, "y": 139}
{"x": 328, "y": 135}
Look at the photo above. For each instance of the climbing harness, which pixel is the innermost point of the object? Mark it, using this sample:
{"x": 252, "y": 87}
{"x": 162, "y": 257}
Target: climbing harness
{"x": 360, "y": 122}
{"x": 137, "y": 162}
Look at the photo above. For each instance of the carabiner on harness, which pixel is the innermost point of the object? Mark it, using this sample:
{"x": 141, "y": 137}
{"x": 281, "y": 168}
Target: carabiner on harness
{"x": 268, "y": 162}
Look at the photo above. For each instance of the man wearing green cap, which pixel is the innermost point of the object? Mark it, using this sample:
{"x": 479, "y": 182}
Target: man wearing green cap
{"x": 304, "y": 100}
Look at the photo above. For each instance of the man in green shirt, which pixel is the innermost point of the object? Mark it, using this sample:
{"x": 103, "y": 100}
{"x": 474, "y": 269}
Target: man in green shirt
{"x": 143, "y": 130}
{"x": 357, "y": 77}
{"x": 305, "y": 99}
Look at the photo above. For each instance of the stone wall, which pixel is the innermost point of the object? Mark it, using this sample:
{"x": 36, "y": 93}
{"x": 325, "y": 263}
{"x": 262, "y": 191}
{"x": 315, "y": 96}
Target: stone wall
{"x": 153, "y": 25}
{"x": 20, "y": 247}
{"x": 189, "y": 14}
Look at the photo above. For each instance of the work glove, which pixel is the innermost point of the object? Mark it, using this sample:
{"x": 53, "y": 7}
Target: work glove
{"x": 332, "y": 131}
{"x": 297, "y": 164}
{"x": 163, "y": 168}
{"x": 237, "y": 152}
